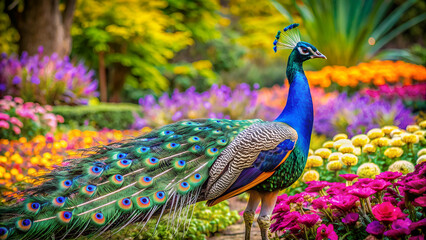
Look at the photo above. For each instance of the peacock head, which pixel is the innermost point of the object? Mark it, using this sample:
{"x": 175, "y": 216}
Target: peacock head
{"x": 289, "y": 38}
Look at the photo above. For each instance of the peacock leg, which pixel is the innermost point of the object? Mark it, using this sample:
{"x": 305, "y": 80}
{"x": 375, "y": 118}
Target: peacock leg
{"x": 264, "y": 220}
{"x": 250, "y": 212}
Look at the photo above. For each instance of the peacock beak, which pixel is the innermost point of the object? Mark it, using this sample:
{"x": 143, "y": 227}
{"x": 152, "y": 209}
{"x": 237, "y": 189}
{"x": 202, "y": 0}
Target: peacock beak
{"x": 317, "y": 54}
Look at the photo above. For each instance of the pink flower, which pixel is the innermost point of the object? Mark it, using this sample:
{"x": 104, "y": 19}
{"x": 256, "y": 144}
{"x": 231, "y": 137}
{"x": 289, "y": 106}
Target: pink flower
{"x": 336, "y": 188}
{"x": 375, "y": 228}
{"x": 419, "y": 237}
{"x": 4, "y": 116}
{"x": 16, "y": 122}
{"x": 60, "y": 119}
{"x": 420, "y": 201}
{"x": 288, "y": 221}
{"x": 326, "y": 232}
{"x": 389, "y": 176}
{"x": 19, "y": 100}
{"x": 350, "y": 219}
{"x": 362, "y": 182}
{"x": 316, "y": 186}
{"x": 379, "y": 185}
{"x": 348, "y": 177}
{"x": 362, "y": 192}
{"x": 343, "y": 202}
{"x": 309, "y": 220}
{"x": 49, "y": 138}
{"x": 386, "y": 212}
{"x": 17, "y": 130}
{"x": 4, "y": 124}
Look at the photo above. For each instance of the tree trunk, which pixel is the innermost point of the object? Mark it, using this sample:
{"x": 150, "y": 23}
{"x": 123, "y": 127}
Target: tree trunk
{"x": 102, "y": 77}
{"x": 41, "y": 23}
{"x": 117, "y": 79}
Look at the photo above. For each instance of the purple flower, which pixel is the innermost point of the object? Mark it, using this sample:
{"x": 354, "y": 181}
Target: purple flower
{"x": 375, "y": 228}
{"x": 35, "y": 79}
{"x": 399, "y": 228}
{"x": 16, "y": 80}
{"x": 421, "y": 224}
{"x": 350, "y": 219}
{"x": 309, "y": 220}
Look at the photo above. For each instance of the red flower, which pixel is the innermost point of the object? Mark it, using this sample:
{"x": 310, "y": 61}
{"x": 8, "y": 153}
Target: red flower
{"x": 348, "y": 177}
{"x": 379, "y": 185}
{"x": 386, "y": 212}
{"x": 362, "y": 192}
{"x": 326, "y": 232}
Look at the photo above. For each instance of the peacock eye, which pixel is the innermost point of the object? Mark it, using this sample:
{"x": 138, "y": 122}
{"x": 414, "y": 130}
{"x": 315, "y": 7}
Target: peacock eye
{"x": 304, "y": 50}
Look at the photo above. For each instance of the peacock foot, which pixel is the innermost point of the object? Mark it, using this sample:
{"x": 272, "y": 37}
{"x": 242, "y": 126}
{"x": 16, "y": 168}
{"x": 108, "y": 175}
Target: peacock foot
{"x": 248, "y": 221}
{"x": 264, "y": 224}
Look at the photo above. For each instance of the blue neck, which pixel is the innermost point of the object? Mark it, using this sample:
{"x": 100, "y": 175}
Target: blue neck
{"x": 298, "y": 112}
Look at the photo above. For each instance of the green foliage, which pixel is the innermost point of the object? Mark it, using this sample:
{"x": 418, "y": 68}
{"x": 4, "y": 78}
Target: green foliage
{"x": 9, "y": 36}
{"x": 349, "y": 32}
{"x": 111, "y": 116}
{"x": 205, "y": 221}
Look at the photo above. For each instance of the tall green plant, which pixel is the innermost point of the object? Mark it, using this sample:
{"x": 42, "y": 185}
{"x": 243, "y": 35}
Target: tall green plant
{"x": 350, "y": 31}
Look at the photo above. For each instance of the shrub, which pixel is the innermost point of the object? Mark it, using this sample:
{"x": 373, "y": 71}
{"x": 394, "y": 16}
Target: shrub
{"x": 46, "y": 80}
{"x": 105, "y": 115}
{"x": 19, "y": 119}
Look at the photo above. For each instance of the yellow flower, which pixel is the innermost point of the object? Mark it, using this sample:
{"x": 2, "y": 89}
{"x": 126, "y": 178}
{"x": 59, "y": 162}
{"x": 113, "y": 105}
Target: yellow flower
{"x": 47, "y": 155}
{"x": 334, "y": 156}
{"x": 19, "y": 177}
{"x": 182, "y": 70}
{"x": 388, "y": 129}
{"x": 3, "y": 159}
{"x": 396, "y": 132}
{"x": 314, "y": 161}
{"x": 349, "y": 159}
{"x": 421, "y": 134}
{"x": 14, "y": 171}
{"x": 368, "y": 170}
{"x": 64, "y": 144}
{"x": 381, "y": 142}
{"x": 346, "y": 148}
{"x": 34, "y": 160}
{"x": 202, "y": 64}
{"x": 16, "y": 158}
{"x": 397, "y": 142}
{"x": 311, "y": 152}
{"x": 31, "y": 171}
{"x": 402, "y": 166}
{"x": 422, "y": 124}
{"x": 357, "y": 151}
{"x": 393, "y": 152}
{"x": 340, "y": 136}
{"x": 360, "y": 140}
{"x": 421, "y": 159}
{"x": 409, "y": 138}
{"x": 7, "y": 176}
{"x": 375, "y": 133}
{"x": 421, "y": 152}
{"x": 328, "y": 144}
{"x": 323, "y": 152}
{"x": 340, "y": 142}
{"x": 310, "y": 175}
{"x": 412, "y": 128}
{"x": 334, "y": 166}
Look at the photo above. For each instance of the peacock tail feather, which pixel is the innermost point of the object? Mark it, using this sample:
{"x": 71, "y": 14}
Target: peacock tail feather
{"x": 121, "y": 183}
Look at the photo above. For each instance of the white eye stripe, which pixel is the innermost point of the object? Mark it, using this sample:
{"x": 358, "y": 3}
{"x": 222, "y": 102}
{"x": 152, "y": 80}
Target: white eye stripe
{"x": 304, "y": 53}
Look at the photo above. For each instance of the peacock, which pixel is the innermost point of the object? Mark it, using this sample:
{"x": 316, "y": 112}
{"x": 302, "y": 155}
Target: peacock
{"x": 172, "y": 167}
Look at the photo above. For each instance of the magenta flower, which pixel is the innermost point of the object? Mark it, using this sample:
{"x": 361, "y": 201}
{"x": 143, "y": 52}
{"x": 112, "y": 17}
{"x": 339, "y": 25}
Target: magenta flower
{"x": 343, "y": 202}
{"x": 386, "y": 212}
{"x": 399, "y": 228}
{"x": 336, "y": 188}
{"x": 362, "y": 192}
{"x": 16, "y": 129}
{"x": 350, "y": 219}
{"x": 416, "y": 187}
{"x": 389, "y": 176}
{"x": 288, "y": 221}
{"x": 363, "y": 182}
{"x": 379, "y": 185}
{"x": 375, "y": 228}
{"x": 4, "y": 116}
{"x": 316, "y": 186}
{"x": 418, "y": 225}
{"x": 348, "y": 177}
{"x": 325, "y": 232}
{"x": 16, "y": 122}
{"x": 320, "y": 203}
{"x": 309, "y": 220}
{"x": 4, "y": 124}
{"x": 420, "y": 201}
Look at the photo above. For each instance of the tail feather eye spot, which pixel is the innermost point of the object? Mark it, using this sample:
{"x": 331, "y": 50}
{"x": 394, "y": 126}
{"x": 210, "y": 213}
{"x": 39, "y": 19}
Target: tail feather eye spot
{"x": 4, "y": 233}
{"x": 125, "y": 204}
{"x": 142, "y": 150}
{"x": 121, "y": 155}
{"x": 116, "y": 179}
{"x": 98, "y": 218}
{"x": 23, "y": 224}
{"x": 33, "y": 207}
{"x": 196, "y": 148}
{"x": 212, "y": 151}
{"x": 183, "y": 187}
{"x": 145, "y": 181}
{"x": 186, "y": 123}
{"x": 196, "y": 179}
{"x": 143, "y": 203}
{"x": 160, "y": 197}
{"x": 172, "y": 145}
{"x": 64, "y": 216}
{"x": 193, "y": 139}
{"x": 58, "y": 202}
{"x": 179, "y": 164}
{"x": 151, "y": 162}
{"x": 222, "y": 142}
{"x": 88, "y": 190}
{"x": 198, "y": 129}
{"x": 95, "y": 171}
{"x": 64, "y": 184}
{"x": 166, "y": 132}
{"x": 217, "y": 131}
{"x": 124, "y": 163}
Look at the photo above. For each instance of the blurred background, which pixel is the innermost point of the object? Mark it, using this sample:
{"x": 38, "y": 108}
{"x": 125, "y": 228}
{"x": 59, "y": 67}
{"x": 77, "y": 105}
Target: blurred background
{"x": 75, "y": 74}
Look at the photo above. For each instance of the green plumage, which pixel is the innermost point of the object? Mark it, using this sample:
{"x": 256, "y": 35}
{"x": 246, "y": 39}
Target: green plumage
{"x": 124, "y": 182}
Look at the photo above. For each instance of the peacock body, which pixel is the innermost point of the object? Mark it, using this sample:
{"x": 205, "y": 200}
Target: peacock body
{"x": 170, "y": 168}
